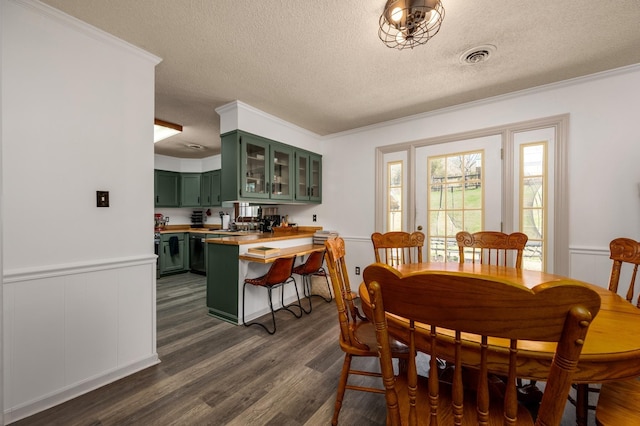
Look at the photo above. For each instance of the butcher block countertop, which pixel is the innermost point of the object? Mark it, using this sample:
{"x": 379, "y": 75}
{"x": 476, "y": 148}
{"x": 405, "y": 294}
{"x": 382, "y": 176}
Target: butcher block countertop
{"x": 246, "y": 237}
{"x": 260, "y": 237}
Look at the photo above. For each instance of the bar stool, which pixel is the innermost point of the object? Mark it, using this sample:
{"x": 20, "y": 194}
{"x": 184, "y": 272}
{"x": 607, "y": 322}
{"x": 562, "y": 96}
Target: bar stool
{"x": 279, "y": 275}
{"x": 313, "y": 267}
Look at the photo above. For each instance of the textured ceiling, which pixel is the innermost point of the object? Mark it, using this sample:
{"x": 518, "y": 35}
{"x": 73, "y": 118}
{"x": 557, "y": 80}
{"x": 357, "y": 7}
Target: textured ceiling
{"x": 320, "y": 64}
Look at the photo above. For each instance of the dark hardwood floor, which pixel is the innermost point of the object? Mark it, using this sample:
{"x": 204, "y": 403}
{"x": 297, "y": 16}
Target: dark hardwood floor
{"x": 215, "y": 373}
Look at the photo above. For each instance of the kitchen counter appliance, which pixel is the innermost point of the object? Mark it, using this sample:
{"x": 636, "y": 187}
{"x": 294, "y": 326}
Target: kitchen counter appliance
{"x": 197, "y": 256}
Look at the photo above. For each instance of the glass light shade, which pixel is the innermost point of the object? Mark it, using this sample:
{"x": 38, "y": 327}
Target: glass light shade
{"x": 407, "y": 23}
{"x": 164, "y": 129}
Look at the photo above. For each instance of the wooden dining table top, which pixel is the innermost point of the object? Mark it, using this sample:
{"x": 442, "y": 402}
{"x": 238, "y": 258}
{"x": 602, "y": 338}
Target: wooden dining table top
{"x": 612, "y": 346}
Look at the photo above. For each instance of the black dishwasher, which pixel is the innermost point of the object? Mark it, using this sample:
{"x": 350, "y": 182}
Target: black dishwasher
{"x": 197, "y": 256}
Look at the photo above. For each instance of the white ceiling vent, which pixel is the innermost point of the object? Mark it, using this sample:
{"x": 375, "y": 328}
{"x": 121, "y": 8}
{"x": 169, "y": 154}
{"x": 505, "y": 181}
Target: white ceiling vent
{"x": 477, "y": 54}
{"x": 194, "y": 146}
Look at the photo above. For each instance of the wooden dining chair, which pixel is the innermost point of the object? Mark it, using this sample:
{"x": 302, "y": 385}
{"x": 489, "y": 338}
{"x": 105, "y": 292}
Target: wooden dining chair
{"x": 357, "y": 337}
{"x": 482, "y": 309}
{"x": 619, "y": 402}
{"x": 398, "y": 248}
{"x": 492, "y": 247}
{"x": 498, "y": 248}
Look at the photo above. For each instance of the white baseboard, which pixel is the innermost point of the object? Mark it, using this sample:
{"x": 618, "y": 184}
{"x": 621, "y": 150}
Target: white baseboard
{"x": 66, "y": 394}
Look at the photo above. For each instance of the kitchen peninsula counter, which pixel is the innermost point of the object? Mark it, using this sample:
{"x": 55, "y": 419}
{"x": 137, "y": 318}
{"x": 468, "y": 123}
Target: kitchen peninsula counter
{"x": 242, "y": 238}
{"x": 226, "y": 273}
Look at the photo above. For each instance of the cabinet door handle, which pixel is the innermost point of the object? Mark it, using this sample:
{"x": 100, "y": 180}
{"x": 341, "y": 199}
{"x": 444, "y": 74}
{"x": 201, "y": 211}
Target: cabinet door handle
{"x": 157, "y": 198}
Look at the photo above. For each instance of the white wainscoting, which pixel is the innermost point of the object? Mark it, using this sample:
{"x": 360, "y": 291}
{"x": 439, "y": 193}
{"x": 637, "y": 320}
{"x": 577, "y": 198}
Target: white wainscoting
{"x": 590, "y": 264}
{"x": 69, "y": 329}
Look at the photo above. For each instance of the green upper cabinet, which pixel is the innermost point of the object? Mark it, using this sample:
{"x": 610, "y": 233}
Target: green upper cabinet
{"x": 167, "y": 188}
{"x": 190, "y": 189}
{"x": 173, "y": 189}
{"x": 205, "y": 189}
{"x": 210, "y": 189}
{"x": 308, "y": 177}
{"x": 216, "y": 185}
{"x": 282, "y": 167}
{"x": 254, "y": 167}
{"x": 258, "y": 169}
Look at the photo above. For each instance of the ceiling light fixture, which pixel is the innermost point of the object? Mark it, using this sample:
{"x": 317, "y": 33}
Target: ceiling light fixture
{"x": 164, "y": 129}
{"x": 408, "y": 23}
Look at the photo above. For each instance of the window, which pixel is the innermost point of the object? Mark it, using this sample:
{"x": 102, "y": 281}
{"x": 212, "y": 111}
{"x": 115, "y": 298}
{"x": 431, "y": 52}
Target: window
{"x": 394, "y": 195}
{"x": 455, "y": 201}
{"x": 533, "y": 203}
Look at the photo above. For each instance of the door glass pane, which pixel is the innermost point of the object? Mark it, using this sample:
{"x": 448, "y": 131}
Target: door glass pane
{"x": 302, "y": 175}
{"x": 255, "y": 169}
{"x": 455, "y": 201}
{"x": 281, "y": 168}
{"x": 315, "y": 178}
{"x": 394, "y": 191}
{"x": 533, "y": 207}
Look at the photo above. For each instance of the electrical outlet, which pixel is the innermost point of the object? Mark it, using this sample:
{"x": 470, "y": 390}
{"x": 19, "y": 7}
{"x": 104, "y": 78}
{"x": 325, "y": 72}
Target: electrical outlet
{"x": 357, "y": 270}
{"x": 315, "y": 218}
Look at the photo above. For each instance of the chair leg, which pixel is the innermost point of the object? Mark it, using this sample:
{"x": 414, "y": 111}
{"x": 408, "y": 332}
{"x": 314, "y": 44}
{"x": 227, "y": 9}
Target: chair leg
{"x": 342, "y": 386}
{"x": 306, "y": 292}
{"x": 273, "y": 315}
{"x": 582, "y": 404}
{"x": 287, "y": 307}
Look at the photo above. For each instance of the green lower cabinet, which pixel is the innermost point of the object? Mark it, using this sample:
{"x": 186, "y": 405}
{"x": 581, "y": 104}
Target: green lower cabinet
{"x": 222, "y": 281}
{"x": 179, "y": 260}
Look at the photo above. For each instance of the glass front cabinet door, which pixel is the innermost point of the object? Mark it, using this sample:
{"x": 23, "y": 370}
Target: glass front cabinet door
{"x": 254, "y": 168}
{"x": 315, "y": 178}
{"x": 282, "y": 172}
{"x": 308, "y": 177}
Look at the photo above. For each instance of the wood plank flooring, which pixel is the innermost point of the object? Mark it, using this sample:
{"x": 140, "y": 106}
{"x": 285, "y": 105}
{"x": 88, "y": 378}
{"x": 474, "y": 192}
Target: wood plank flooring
{"x": 215, "y": 373}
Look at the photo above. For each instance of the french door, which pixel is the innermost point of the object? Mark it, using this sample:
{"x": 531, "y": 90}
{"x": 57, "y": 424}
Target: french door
{"x": 508, "y": 178}
{"x": 458, "y": 188}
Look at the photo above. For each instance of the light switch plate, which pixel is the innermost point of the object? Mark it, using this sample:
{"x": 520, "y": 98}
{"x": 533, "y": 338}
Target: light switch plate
{"x": 102, "y": 198}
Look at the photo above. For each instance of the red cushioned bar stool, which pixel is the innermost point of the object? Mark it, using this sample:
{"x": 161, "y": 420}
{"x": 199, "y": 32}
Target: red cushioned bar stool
{"x": 313, "y": 267}
{"x": 279, "y": 274}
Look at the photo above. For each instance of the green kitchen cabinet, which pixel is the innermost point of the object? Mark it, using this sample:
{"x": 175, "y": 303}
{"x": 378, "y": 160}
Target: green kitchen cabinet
{"x": 166, "y": 188}
{"x": 210, "y": 189}
{"x": 308, "y": 182}
{"x": 190, "y": 189}
{"x": 257, "y": 169}
{"x": 222, "y": 283}
{"x": 179, "y": 261}
{"x": 216, "y": 186}
{"x": 282, "y": 167}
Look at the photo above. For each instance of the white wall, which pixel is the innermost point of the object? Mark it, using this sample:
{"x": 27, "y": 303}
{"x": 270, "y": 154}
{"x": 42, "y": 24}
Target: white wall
{"x": 603, "y": 153}
{"x": 1, "y": 231}
{"x": 78, "y": 281}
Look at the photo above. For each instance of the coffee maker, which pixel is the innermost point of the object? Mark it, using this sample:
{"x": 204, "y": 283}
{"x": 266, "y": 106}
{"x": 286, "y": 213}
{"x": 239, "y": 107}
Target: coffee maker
{"x": 267, "y": 223}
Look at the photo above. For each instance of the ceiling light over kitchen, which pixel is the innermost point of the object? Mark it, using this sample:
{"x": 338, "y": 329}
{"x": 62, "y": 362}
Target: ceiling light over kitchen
{"x": 164, "y": 129}
{"x": 407, "y": 23}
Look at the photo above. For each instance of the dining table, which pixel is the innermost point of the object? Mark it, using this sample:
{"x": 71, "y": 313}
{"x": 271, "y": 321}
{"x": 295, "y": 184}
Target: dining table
{"x": 611, "y": 350}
